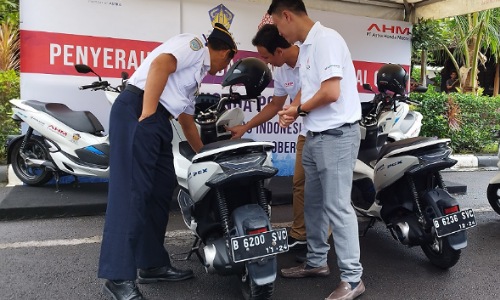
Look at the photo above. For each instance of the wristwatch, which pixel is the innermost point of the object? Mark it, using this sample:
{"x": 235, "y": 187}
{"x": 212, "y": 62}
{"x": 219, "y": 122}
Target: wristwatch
{"x": 301, "y": 112}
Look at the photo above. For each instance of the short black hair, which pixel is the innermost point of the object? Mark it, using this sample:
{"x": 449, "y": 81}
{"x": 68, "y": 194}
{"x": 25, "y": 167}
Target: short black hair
{"x": 221, "y": 39}
{"x": 296, "y": 6}
{"x": 269, "y": 37}
{"x": 217, "y": 45}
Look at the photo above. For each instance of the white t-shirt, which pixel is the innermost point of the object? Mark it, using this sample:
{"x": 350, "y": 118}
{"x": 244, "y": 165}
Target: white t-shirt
{"x": 287, "y": 82}
{"x": 193, "y": 63}
{"x": 323, "y": 55}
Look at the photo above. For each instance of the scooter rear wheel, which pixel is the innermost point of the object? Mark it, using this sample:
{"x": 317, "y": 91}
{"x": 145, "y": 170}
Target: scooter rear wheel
{"x": 34, "y": 148}
{"x": 493, "y": 194}
{"x": 252, "y": 291}
{"x": 441, "y": 254}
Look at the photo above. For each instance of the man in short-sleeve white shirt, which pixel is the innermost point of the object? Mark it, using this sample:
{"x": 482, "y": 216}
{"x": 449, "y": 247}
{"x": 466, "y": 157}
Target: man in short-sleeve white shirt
{"x": 275, "y": 50}
{"x": 330, "y": 108}
{"x": 142, "y": 176}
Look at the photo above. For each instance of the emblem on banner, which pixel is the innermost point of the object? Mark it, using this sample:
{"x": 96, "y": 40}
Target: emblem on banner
{"x": 221, "y": 14}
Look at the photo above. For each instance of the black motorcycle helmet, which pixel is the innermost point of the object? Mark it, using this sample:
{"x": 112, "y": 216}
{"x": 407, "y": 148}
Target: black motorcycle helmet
{"x": 251, "y": 72}
{"x": 392, "y": 77}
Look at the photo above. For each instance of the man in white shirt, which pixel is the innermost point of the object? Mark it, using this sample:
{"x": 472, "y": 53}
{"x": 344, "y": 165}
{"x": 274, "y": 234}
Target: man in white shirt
{"x": 330, "y": 107}
{"x": 142, "y": 176}
{"x": 277, "y": 51}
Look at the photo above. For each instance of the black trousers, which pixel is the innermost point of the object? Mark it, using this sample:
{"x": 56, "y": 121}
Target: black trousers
{"x": 141, "y": 183}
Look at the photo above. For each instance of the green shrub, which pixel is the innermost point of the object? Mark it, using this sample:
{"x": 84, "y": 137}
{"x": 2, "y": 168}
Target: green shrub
{"x": 9, "y": 88}
{"x": 466, "y": 119}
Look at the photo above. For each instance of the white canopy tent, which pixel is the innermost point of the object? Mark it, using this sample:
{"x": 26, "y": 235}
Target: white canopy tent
{"x": 407, "y": 10}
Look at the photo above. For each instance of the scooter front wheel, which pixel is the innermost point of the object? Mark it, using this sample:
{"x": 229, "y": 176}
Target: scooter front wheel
{"x": 493, "y": 194}
{"x": 440, "y": 253}
{"x": 35, "y": 149}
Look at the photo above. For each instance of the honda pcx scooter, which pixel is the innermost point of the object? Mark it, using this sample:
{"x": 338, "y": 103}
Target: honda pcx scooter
{"x": 395, "y": 119}
{"x": 404, "y": 189}
{"x": 66, "y": 142}
{"x": 222, "y": 194}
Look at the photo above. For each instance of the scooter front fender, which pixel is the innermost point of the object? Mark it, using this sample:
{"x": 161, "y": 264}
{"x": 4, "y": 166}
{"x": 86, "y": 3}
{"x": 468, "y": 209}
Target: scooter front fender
{"x": 11, "y": 141}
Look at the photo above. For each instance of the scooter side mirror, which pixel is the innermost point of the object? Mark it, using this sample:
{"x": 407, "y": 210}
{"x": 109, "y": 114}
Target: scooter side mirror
{"x": 124, "y": 75}
{"x": 84, "y": 69}
{"x": 367, "y": 87}
{"x": 81, "y": 68}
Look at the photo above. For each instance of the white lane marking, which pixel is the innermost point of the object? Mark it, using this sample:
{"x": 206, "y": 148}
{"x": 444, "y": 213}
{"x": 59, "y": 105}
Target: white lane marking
{"x": 483, "y": 209}
{"x": 52, "y": 243}
{"x": 176, "y": 234}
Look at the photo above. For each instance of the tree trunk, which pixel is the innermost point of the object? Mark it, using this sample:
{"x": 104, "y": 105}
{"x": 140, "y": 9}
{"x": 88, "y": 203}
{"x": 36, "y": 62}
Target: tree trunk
{"x": 423, "y": 68}
{"x": 496, "y": 85}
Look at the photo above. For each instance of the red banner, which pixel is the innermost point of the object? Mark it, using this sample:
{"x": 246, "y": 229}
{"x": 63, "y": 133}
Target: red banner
{"x": 57, "y": 53}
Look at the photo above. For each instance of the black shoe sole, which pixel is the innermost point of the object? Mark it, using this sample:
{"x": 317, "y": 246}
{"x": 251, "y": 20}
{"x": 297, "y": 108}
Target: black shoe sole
{"x": 160, "y": 279}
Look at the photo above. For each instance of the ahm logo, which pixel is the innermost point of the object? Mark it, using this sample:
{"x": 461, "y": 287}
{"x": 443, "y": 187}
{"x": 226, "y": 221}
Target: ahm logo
{"x": 221, "y": 14}
{"x": 389, "y": 29}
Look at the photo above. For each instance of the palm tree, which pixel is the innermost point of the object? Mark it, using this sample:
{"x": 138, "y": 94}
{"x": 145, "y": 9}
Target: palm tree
{"x": 9, "y": 35}
{"x": 9, "y": 47}
{"x": 475, "y": 33}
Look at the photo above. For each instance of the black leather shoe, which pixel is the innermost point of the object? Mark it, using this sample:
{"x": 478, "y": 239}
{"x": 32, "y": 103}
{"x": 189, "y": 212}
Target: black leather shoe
{"x": 163, "y": 274}
{"x": 122, "y": 290}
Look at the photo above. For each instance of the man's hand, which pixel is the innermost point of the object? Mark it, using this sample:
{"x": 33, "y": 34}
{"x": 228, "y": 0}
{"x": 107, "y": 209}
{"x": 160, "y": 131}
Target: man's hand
{"x": 237, "y": 131}
{"x": 287, "y": 116}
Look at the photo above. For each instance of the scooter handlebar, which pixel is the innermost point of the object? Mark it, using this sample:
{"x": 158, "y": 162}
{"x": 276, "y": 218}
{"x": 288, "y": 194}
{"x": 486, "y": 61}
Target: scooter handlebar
{"x": 95, "y": 85}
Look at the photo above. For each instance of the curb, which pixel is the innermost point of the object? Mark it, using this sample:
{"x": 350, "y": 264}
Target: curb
{"x": 471, "y": 161}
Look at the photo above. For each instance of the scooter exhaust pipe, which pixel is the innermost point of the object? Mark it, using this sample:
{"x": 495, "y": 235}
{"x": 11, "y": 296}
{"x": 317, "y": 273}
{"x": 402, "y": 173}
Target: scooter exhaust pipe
{"x": 217, "y": 258}
{"x": 32, "y": 162}
{"x": 408, "y": 231}
{"x": 402, "y": 230}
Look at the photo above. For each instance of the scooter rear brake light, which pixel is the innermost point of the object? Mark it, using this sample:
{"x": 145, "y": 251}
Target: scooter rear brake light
{"x": 258, "y": 230}
{"x": 450, "y": 210}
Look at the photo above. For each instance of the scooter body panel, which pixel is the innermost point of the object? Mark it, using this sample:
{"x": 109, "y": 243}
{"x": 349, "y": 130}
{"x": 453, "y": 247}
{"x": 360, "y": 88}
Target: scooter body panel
{"x": 198, "y": 174}
{"x": 389, "y": 170}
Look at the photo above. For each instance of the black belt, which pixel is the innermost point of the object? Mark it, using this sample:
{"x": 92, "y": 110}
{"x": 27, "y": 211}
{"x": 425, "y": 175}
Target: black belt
{"x": 140, "y": 92}
{"x": 134, "y": 89}
{"x": 334, "y": 131}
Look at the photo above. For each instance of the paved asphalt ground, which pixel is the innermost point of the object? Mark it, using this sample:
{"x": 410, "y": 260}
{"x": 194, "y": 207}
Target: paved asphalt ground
{"x": 56, "y": 258}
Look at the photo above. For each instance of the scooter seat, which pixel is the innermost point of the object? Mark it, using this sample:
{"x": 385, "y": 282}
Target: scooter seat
{"x": 224, "y": 143}
{"x": 387, "y": 148}
{"x": 83, "y": 121}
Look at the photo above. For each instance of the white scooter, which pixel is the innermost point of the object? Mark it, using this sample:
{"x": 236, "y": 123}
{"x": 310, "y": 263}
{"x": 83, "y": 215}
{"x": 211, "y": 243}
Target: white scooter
{"x": 404, "y": 189}
{"x": 222, "y": 194}
{"x": 60, "y": 141}
{"x": 395, "y": 119}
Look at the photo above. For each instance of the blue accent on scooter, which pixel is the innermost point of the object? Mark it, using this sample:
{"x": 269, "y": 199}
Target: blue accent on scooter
{"x": 94, "y": 150}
